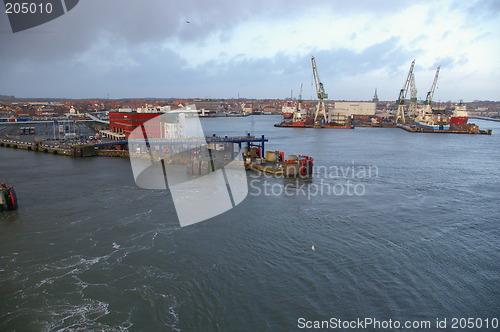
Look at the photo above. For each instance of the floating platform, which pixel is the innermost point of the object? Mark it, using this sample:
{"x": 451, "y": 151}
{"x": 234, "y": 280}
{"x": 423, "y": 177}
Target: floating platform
{"x": 454, "y": 129}
{"x": 275, "y": 163}
{"x": 287, "y": 124}
{"x": 271, "y": 169}
{"x": 34, "y": 147}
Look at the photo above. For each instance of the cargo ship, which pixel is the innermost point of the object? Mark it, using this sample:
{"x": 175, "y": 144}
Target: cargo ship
{"x": 429, "y": 120}
{"x": 459, "y": 115}
{"x": 288, "y": 109}
{"x": 8, "y": 199}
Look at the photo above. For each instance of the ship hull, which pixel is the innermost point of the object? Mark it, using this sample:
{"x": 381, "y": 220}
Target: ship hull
{"x": 302, "y": 124}
{"x": 299, "y": 124}
{"x": 433, "y": 127}
{"x": 458, "y": 120}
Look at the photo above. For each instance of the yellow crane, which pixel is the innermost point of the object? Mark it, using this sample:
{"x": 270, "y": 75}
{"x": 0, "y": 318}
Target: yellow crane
{"x": 400, "y": 115}
{"x": 320, "y": 91}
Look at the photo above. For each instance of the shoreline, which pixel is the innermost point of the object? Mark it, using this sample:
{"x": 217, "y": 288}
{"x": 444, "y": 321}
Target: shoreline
{"x": 77, "y": 151}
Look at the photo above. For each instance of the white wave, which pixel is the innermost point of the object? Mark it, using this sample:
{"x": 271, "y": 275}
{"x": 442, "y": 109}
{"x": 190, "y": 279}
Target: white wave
{"x": 80, "y": 317}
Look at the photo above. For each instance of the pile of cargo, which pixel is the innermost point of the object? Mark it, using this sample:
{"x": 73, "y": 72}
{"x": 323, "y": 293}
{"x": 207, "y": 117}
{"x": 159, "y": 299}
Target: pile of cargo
{"x": 275, "y": 163}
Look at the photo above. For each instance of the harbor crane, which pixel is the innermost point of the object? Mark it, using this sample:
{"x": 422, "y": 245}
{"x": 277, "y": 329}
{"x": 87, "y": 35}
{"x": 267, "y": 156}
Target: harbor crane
{"x": 299, "y": 100}
{"x": 412, "y": 110}
{"x": 402, "y": 96}
{"x": 320, "y": 91}
{"x": 430, "y": 94}
{"x": 297, "y": 115}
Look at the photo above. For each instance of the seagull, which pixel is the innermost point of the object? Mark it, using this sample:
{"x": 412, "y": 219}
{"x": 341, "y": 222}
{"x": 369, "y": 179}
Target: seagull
{"x": 313, "y": 248}
{"x": 188, "y": 22}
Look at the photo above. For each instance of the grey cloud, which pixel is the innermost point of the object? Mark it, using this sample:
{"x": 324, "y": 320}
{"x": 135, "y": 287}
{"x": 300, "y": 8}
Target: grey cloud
{"x": 155, "y": 74}
{"x": 282, "y": 72}
{"x": 448, "y": 62}
{"x": 356, "y": 7}
{"x": 138, "y": 23}
{"x": 134, "y": 22}
{"x": 335, "y": 62}
{"x": 162, "y": 73}
{"x": 387, "y": 54}
{"x": 69, "y": 57}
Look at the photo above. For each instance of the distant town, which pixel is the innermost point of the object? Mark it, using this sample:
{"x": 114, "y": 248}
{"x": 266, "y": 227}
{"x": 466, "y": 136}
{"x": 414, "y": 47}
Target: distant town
{"x": 90, "y": 127}
{"x": 47, "y": 108}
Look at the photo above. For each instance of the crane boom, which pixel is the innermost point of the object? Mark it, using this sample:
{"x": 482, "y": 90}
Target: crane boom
{"x": 413, "y": 89}
{"x": 320, "y": 91}
{"x": 412, "y": 109}
{"x": 404, "y": 90}
{"x": 402, "y": 95}
{"x": 430, "y": 94}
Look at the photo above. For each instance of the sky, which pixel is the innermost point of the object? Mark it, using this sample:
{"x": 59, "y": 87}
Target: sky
{"x": 256, "y": 49}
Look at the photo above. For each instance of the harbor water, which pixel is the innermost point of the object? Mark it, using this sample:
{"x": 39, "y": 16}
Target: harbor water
{"x": 405, "y": 227}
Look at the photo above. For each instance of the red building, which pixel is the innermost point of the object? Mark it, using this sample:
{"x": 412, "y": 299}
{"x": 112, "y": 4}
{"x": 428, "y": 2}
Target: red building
{"x": 125, "y": 122}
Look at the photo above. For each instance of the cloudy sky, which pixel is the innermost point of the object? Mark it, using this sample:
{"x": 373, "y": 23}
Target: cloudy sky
{"x": 257, "y": 48}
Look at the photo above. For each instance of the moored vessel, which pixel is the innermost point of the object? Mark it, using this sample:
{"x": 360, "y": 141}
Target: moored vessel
{"x": 8, "y": 198}
{"x": 428, "y": 120}
{"x": 459, "y": 115}
{"x": 288, "y": 109}
{"x": 300, "y": 121}
{"x": 274, "y": 162}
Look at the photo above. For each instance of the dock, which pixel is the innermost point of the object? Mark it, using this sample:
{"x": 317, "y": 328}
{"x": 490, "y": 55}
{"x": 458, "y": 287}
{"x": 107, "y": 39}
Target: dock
{"x": 34, "y": 147}
{"x": 487, "y": 118}
{"x": 121, "y": 148}
{"x": 309, "y": 124}
{"x": 468, "y": 129}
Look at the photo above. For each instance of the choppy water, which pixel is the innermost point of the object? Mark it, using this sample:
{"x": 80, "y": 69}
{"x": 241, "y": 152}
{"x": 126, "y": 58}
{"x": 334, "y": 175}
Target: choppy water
{"x": 422, "y": 241}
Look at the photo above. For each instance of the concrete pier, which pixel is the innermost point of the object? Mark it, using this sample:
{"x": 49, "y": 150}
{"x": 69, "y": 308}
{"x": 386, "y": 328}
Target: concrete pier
{"x": 34, "y": 147}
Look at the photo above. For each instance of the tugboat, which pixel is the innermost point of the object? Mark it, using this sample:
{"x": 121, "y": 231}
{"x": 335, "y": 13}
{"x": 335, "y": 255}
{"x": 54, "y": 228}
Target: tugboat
{"x": 276, "y": 164}
{"x": 8, "y": 198}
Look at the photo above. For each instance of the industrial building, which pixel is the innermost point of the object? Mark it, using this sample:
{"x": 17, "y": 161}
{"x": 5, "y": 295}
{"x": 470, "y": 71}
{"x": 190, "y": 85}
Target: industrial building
{"x": 121, "y": 124}
{"x": 157, "y": 125}
{"x": 344, "y": 110}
